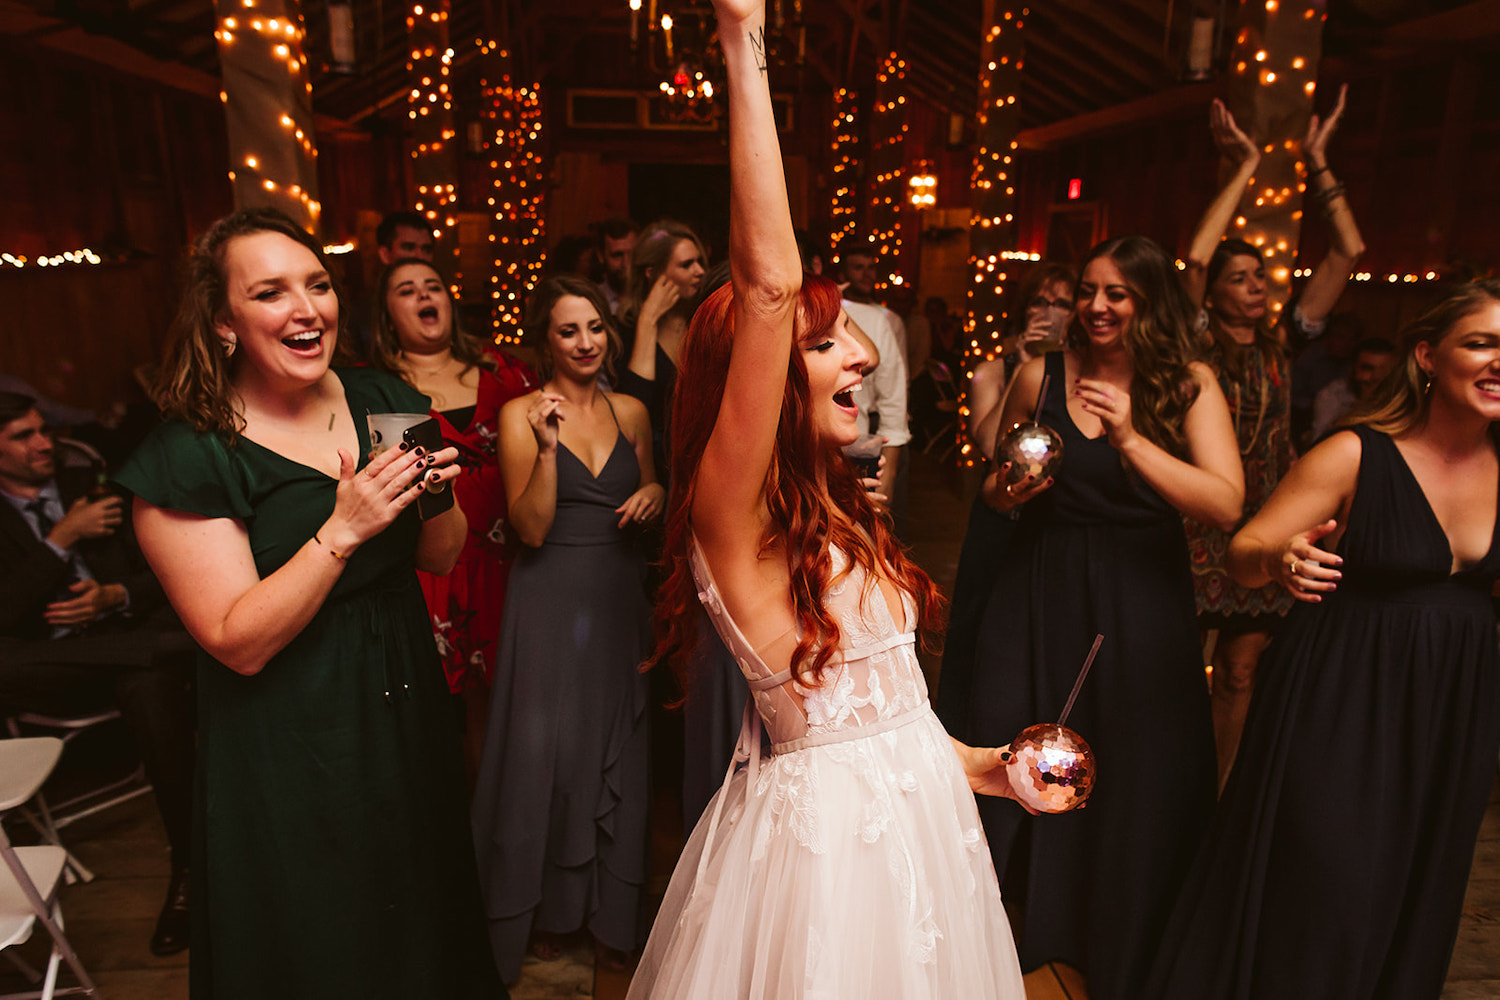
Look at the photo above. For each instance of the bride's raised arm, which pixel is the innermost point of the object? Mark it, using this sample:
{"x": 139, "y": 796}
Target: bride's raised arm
{"x": 766, "y": 273}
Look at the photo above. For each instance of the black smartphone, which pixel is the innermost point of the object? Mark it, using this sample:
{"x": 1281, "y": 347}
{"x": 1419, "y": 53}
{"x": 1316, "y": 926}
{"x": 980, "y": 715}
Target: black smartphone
{"x": 436, "y": 498}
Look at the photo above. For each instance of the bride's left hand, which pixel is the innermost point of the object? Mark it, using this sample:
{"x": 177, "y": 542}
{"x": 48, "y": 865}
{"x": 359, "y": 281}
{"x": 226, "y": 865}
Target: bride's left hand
{"x": 985, "y": 769}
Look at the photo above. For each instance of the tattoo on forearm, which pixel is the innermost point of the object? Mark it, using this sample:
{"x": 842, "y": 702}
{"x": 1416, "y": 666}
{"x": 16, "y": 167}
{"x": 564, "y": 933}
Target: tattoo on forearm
{"x": 758, "y": 44}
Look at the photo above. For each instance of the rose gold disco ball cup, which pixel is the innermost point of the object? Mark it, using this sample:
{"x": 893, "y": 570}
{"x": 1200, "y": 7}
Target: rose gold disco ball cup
{"x": 1031, "y": 449}
{"x": 1051, "y": 768}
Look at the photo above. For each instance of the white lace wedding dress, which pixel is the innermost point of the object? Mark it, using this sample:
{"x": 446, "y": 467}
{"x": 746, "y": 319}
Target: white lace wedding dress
{"x": 850, "y": 865}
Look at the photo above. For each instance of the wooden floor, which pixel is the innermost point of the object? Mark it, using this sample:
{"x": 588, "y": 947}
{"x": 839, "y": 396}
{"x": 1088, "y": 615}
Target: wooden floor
{"x": 110, "y": 920}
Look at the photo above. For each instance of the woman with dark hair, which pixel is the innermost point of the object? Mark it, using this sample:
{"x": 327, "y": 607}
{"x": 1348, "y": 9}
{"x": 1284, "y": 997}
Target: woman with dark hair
{"x": 1042, "y": 309}
{"x": 1337, "y": 864}
{"x": 1100, "y": 550}
{"x": 560, "y": 808}
{"x": 849, "y": 863}
{"x": 419, "y": 340}
{"x": 1247, "y": 346}
{"x": 330, "y": 854}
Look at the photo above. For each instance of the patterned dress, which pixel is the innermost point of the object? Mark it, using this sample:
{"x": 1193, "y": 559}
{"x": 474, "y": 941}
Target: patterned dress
{"x": 466, "y": 605}
{"x": 1260, "y": 405}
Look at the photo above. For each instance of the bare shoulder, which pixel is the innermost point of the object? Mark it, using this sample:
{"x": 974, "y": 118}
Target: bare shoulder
{"x": 1337, "y": 454}
{"x": 1203, "y": 374}
{"x": 627, "y": 407}
{"x": 515, "y": 409}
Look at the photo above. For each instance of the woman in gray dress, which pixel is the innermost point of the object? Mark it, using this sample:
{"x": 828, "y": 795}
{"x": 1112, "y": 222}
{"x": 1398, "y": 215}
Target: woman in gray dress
{"x": 560, "y": 808}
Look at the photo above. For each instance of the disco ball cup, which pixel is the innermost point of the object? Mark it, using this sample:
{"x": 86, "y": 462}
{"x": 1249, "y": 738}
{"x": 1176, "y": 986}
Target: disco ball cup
{"x": 1030, "y": 448}
{"x": 1051, "y": 768}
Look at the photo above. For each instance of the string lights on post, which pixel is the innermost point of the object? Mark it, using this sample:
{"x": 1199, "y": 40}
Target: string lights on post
{"x": 429, "y": 111}
{"x": 517, "y": 188}
{"x": 1273, "y": 77}
{"x": 888, "y": 129}
{"x": 844, "y": 219}
{"x": 992, "y": 226}
{"x": 267, "y": 97}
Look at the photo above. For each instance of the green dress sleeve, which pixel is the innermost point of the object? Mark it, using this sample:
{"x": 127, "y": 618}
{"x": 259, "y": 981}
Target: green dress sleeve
{"x": 373, "y": 391}
{"x": 178, "y": 468}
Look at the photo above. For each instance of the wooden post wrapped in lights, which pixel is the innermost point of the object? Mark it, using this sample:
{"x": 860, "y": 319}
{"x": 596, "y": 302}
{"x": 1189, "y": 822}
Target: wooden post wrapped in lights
{"x": 517, "y": 188}
{"x": 268, "y": 107}
{"x": 845, "y": 215}
{"x": 992, "y": 226}
{"x": 434, "y": 166}
{"x": 888, "y": 162}
{"x": 1272, "y": 79}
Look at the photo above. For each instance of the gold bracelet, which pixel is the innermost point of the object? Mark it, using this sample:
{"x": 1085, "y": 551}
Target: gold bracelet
{"x": 336, "y": 555}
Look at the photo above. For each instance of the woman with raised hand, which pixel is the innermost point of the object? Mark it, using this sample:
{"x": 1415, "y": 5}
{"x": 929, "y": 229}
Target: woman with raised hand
{"x": 418, "y": 338}
{"x": 848, "y": 862}
{"x": 1338, "y": 862}
{"x": 331, "y": 857}
{"x": 1147, "y": 438}
{"x": 1246, "y": 343}
{"x": 560, "y": 811}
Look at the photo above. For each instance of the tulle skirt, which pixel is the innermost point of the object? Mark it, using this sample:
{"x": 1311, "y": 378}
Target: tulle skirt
{"x": 851, "y": 869}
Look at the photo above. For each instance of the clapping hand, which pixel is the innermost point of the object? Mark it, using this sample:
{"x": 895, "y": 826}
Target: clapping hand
{"x": 1320, "y": 130}
{"x": 1233, "y": 143}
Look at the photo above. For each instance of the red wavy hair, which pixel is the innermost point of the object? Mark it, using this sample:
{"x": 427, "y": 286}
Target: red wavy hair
{"x": 808, "y": 521}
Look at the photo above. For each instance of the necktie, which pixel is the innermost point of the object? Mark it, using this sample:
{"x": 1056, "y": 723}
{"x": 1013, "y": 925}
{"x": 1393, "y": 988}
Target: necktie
{"x": 44, "y": 524}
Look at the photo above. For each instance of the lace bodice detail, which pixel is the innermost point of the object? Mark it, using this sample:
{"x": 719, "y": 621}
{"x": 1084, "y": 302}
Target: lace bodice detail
{"x": 873, "y": 678}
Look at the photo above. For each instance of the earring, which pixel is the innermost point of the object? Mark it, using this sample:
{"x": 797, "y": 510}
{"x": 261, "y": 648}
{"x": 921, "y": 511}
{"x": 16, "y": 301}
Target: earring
{"x": 229, "y": 343}
{"x": 1426, "y": 380}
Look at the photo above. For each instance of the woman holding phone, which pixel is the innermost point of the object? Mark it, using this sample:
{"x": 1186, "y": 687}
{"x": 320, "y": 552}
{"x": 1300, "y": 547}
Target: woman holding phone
{"x": 330, "y": 856}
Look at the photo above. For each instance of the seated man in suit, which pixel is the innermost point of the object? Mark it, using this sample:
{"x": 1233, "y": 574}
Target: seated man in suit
{"x": 84, "y": 624}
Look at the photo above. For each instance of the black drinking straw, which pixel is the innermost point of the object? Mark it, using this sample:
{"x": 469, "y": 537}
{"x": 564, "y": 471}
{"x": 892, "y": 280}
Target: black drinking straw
{"x": 1041, "y": 397}
{"x": 1098, "y": 641}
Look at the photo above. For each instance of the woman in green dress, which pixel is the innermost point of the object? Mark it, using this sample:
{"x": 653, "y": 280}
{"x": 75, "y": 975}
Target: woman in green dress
{"x": 331, "y": 854}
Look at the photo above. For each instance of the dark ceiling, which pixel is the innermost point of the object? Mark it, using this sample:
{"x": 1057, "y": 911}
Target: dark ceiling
{"x": 1082, "y": 55}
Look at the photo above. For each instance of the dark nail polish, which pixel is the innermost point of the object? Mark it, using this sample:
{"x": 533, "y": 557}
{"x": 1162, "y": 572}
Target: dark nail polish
{"x": 421, "y": 486}
{"x": 419, "y": 452}
{"x": 404, "y": 446}
{"x": 435, "y": 477}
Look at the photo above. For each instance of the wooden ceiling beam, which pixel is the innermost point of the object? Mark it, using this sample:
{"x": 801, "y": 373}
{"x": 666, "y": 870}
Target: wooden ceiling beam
{"x": 1065, "y": 84}
{"x": 1163, "y": 104}
{"x": 1069, "y": 106}
{"x": 1466, "y": 25}
{"x": 1117, "y": 27}
{"x": 1146, "y": 72}
{"x": 1115, "y": 89}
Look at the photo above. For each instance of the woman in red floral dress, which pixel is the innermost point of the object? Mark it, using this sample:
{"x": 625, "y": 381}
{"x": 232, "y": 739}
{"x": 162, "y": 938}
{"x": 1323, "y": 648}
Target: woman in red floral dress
{"x": 417, "y": 337}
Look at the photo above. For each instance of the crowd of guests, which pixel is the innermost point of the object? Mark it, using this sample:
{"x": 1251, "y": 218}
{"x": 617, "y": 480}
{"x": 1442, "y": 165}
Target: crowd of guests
{"x": 450, "y": 695}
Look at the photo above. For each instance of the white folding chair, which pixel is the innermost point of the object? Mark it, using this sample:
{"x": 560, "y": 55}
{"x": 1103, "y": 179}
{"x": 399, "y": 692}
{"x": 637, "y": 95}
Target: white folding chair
{"x": 101, "y": 797}
{"x": 32, "y": 875}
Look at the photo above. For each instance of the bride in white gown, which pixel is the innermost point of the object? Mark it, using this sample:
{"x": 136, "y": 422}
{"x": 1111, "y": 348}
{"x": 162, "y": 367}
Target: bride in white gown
{"x": 849, "y": 864}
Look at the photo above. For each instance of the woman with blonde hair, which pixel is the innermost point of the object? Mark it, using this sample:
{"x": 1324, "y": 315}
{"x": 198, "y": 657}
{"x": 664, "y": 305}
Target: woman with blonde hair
{"x": 1340, "y": 855}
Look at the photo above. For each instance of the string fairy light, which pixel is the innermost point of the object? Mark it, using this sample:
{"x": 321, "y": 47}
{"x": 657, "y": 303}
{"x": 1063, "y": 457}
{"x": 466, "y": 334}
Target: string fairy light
{"x": 1275, "y": 60}
{"x": 267, "y": 98}
{"x": 429, "y": 112}
{"x": 888, "y": 128}
{"x": 845, "y": 214}
{"x": 992, "y": 230}
{"x": 517, "y": 189}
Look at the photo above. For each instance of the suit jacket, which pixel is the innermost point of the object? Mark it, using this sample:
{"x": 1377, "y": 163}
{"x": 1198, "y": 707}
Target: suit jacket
{"x": 32, "y": 575}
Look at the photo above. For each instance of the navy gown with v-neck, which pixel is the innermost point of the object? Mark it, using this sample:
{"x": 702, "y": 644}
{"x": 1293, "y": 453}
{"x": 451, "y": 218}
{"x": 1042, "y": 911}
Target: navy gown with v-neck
{"x": 560, "y": 806}
{"x": 1337, "y": 863}
{"x": 1098, "y": 552}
